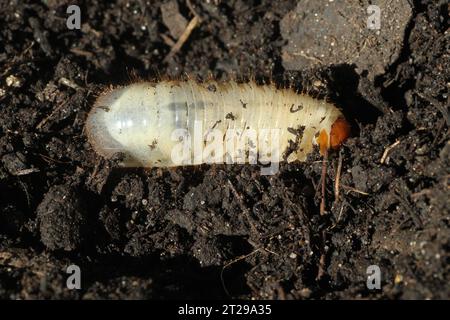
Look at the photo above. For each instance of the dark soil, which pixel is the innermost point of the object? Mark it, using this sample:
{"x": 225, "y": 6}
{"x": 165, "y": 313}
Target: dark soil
{"x": 219, "y": 231}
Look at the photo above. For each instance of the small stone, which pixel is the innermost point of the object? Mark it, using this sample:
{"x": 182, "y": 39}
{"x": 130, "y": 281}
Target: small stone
{"x": 13, "y": 81}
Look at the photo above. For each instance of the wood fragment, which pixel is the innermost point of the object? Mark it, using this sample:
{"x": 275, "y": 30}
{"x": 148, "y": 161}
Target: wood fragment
{"x": 187, "y": 32}
{"x": 26, "y": 171}
{"x": 68, "y": 83}
{"x": 354, "y": 190}
{"x": 80, "y": 52}
{"x": 387, "y": 150}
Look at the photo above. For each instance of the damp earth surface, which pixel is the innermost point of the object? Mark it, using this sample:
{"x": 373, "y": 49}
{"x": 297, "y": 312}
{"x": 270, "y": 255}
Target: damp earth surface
{"x": 226, "y": 231}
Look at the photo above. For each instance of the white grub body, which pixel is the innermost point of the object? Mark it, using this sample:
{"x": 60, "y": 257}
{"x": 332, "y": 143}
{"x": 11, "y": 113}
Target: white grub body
{"x": 138, "y": 120}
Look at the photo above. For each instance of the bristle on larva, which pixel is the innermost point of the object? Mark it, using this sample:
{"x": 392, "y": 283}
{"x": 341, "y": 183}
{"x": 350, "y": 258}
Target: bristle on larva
{"x": 172, "y": 123}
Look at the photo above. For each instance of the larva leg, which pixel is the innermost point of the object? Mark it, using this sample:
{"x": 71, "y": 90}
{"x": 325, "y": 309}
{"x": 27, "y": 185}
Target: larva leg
{"x": 304, "y": 147}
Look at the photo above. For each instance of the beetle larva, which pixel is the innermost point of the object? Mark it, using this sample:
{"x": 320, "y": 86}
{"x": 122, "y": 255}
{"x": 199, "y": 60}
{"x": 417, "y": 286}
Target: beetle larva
{"x": 140, "y": 120}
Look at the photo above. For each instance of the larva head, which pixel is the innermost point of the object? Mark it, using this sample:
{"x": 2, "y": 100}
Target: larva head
{"x": 339, "y": 132}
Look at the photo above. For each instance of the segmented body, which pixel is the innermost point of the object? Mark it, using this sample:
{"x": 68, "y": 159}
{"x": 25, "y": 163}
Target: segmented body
{"x": 139, "y": 120}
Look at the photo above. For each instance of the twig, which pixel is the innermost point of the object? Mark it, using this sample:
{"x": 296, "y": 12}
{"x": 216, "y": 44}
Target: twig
{"x": 304, "y": 55}
{"x": 321, "y": 270}
{"x": 68, "y": 83}
{"x": 354, "y": 190}
{"x": 233, "y": 262}
{"x": 323, "y": 257}
{"x": 187, "y": 32}
{"x": 54, "y": 111}
{"x": 387, "y": 150}
{"x": 24, "y": 187}
{"x": 414, "y": 215}
{"x": 167, "y": 40}
{"x": 15, "y": 59}
{"x": 24, "y": 172}
{"x": 242, "y": 205}
{"x": 191, "y": 8}
{"x": 80, "y": 52}
{"x": 50, "y": 160}
{"x": 422, "y": 192}
{"x": 340, "y": 213}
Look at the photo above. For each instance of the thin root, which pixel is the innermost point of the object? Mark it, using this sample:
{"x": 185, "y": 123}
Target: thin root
{"x": 338, "y": 178}
{"x": 324, "y": 177}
